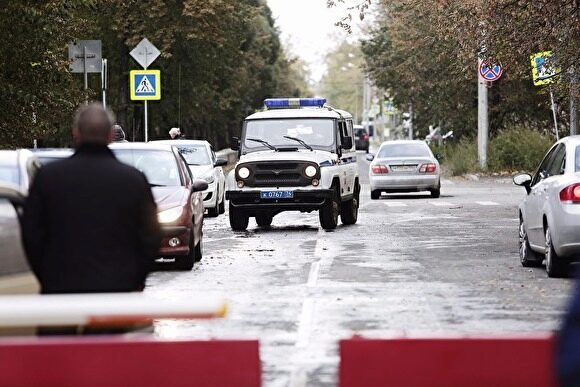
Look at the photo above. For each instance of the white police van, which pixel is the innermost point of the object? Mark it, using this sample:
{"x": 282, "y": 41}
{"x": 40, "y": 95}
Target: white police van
{"x": 296, "y": 155}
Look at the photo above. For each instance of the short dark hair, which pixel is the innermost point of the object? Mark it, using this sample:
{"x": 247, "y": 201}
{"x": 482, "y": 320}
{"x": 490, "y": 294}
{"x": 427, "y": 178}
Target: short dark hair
{"x": 93, "y": 123}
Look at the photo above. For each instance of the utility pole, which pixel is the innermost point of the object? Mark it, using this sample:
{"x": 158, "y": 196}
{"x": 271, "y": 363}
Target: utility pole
{"x": 573, "y": 103}
{"x": 411, "y": 121}
{"x": 482, "y": 119}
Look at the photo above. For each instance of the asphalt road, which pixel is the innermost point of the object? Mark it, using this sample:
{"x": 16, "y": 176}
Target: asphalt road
{"x": 411, "y": 266}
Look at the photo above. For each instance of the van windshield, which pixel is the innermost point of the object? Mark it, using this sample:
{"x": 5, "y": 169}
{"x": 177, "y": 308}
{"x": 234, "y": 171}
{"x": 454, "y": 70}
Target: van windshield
{"x": 318, "y": 133}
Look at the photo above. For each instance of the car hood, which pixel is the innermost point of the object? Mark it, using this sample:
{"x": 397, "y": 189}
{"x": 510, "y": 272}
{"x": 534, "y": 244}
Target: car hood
{"x": 169, "y": 197}
{"x": 200, "y": 170}
{"x": 315, "y": 156}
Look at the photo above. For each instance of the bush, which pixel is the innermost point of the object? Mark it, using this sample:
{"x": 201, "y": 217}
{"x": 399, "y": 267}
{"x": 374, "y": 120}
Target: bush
{"x": 518, "y": 149}
{"x": 460, "y": 157}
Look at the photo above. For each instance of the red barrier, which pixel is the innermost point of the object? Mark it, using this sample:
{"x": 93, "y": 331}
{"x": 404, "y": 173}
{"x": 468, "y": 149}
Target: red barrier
{"x": 108, "y": 361}
{"x": 447, "y": 362}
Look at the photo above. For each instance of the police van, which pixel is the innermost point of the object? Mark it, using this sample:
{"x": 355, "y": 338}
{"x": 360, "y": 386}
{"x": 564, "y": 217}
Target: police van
{"x": 296, "y": 155}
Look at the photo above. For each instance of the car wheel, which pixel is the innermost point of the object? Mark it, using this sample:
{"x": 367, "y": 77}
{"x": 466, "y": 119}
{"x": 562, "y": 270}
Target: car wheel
{"x": 238, "y": 219}
{"x": 199, "y": 251}
{"x": 556, "y": 267}
{"x": 222, "y": 206}
{"x": 185, "y": 262}
{"x": 435, "y": 192}
{"x": 528, "y": 258}
{"x": 328, "y": 213}
{"x": 264, "y": 220}
{"x": 375, "y": 195}
{"x": 349, "y": 209}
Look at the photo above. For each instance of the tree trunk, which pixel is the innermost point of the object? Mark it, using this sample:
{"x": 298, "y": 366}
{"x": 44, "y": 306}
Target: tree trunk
{"x": 123, "y": 70}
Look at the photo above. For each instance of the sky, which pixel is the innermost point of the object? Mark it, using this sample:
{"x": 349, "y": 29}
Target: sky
{"x": 308, "y": 31}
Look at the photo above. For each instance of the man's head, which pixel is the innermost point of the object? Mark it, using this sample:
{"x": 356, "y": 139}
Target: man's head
{"x": 174, "y": 132}
{"x": 92, "y": 125}
{"x": 118, "y": 133}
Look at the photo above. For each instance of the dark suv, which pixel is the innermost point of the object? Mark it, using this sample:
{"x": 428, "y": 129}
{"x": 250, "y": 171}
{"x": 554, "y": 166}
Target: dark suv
{"x": 361, "y": 138}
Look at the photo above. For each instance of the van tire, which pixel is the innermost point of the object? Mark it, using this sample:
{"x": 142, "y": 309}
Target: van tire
{"x": 238, "y": 219}
{"x": 328, "y": 213}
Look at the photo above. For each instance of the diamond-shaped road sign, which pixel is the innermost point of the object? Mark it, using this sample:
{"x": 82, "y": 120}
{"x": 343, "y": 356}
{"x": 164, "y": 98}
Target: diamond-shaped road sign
{"x": 145, "y": 53}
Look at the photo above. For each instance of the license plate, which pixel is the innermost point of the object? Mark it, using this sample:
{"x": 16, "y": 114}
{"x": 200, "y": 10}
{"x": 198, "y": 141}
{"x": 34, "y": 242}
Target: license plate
{"x": 276, "y": 194}
{"x": 403, "y": 168}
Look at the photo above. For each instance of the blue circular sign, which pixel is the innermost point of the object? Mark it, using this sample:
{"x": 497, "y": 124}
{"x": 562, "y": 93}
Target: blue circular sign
{"x": 490, "y": 71}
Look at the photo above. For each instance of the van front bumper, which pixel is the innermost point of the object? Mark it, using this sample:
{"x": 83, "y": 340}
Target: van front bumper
{"x": 303, "y": 200}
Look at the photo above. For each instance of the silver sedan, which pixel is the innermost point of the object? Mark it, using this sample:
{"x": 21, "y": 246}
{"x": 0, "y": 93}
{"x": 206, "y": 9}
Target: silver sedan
{"x": 404, "y": 166}
{"x": 550, "y": 212}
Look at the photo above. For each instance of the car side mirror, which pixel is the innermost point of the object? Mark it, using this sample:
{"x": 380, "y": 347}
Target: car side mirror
{"x": 370, "y": 157}
{"x": 220, "y": 163}
{"x": 235, "y": 143}
{"x": 198, "y": 185}
{"x": 347, "y": 142}
{"x": 523, "y": 180}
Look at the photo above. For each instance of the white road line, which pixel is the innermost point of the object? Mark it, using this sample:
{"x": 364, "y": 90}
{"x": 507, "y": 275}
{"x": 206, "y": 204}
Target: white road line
{"x": 305, "y": 323}
{"x": 440, "y": 204}
{"x": 487, "y": 203}
{"x": 313, "y": 275}
{"x": 395, "y": 204}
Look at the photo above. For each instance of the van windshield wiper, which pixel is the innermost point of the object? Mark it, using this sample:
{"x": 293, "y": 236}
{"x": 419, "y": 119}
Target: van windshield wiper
{"x": 305, "y": 145}
{"x": 263, "y": 142}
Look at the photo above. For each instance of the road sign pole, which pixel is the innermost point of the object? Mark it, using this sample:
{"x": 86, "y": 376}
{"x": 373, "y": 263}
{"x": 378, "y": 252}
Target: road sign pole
{"x": 86, "y": 78}
{"x": 146, "y": 125}
{"x": 482, "y": 120}
{"x": 554, "y": 113}
{"x": 104, "y": 81}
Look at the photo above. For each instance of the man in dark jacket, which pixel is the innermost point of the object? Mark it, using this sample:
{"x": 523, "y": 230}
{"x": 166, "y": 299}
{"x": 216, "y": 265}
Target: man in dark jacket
{"x": 568, "y": 344}
{"x": 90, "y": 222}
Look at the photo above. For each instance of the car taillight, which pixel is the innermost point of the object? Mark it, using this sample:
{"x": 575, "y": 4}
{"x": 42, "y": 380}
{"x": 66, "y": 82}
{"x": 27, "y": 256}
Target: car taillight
{"x": 379, "y": 169}
{"x": 365, "y": 137}
{"x": 428, "y": 168}
{"x": 570, "y": 194}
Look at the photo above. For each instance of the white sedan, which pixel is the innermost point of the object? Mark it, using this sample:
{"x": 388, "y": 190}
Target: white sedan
{"x": 204, "y": 164}
{"x": 550, "y": 212}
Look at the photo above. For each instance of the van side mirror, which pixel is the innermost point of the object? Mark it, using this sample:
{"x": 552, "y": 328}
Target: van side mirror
{"x": 347, "y": 142}
{"x": 235, "y": 143}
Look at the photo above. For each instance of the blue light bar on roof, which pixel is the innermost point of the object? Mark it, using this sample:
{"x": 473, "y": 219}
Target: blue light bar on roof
{"x": 282, "y": 103}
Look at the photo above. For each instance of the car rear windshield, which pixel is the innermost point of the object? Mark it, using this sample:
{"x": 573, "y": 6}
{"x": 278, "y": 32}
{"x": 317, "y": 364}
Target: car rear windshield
{"x": 9, "y": 174}
{"x": 195, "y": 154}
{"x": 160, "y": 167}
{"x": 404, "y": 150}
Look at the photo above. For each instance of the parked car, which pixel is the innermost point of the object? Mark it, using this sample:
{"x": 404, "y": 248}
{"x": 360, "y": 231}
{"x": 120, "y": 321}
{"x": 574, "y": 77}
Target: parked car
{"x": 49, "y": 155}
{"x": 404, "y": 166}
{"x": 177, "y": 194}
{"x": 204, "y": 164}
{"x": 15, "y": 274}
{"x": 550, "y": 213}
{"x": 361, "y": 138}
{"x": 18, "y": 167}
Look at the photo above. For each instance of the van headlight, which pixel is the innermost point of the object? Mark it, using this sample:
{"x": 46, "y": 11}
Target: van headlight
{"x": 170, "y": 215}
{"x": 243, "y": 173}
{"x": 310, "y": 171}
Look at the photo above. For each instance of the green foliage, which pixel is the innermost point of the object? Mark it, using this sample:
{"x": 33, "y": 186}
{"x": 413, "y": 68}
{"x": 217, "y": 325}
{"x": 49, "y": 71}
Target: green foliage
{"x": 220, "y": 59}
{"x": 518, "y": 149}
{"x": 459, "y": 157}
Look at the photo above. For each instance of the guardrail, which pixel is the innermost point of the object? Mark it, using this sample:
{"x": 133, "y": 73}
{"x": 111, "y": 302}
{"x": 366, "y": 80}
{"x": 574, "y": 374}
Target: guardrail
{"x": 451, "y": 362}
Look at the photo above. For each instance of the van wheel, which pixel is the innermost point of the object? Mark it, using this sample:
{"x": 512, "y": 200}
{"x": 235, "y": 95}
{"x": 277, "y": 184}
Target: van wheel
{"x": 349, "y": 210}
{"x": 238, "y": 219}
{"x": 375, "y": 195}
{"x": 556, "y": 267}
{"x": 264, "y": 220}
{"x": 328, "y": 213}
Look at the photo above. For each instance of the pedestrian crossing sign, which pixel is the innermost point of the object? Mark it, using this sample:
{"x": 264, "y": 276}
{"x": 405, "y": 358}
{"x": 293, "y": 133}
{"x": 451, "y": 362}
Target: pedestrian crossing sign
{"x": 145, "y": 85}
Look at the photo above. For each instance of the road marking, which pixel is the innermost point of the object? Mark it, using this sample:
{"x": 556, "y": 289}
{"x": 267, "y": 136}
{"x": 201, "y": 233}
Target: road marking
{"x": 487, "y": 203}
{"x": 441, "y": 204}
{"x": 313, "y": 275}
{"x": 395, "y": 204}
{"x": 305, "y": 323}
